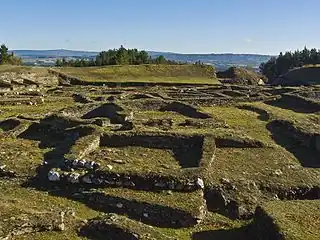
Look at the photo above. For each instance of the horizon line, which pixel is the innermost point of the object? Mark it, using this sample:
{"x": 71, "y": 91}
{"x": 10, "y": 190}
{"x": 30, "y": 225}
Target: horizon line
{"x": 156, "y": 51}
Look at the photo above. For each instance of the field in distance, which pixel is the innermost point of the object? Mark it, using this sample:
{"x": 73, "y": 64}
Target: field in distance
{"x": 190, "y": 74}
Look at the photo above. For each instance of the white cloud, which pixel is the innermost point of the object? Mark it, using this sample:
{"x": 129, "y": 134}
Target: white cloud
{"x": 248, "y": 40}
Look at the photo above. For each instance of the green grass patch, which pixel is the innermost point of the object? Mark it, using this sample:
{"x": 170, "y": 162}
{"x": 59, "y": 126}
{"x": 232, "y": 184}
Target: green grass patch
{"x": 51, "y": 105}
{"x": 290, "y": 220}
{"x": 19, "y": 155}
{"x": 143, "y": 73}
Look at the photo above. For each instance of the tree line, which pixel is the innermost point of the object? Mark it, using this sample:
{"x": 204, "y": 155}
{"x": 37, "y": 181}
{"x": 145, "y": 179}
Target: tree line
{"x": 120, "y": 56}
{"x": 280, "y": 65}
{"x": 8, "y": 58}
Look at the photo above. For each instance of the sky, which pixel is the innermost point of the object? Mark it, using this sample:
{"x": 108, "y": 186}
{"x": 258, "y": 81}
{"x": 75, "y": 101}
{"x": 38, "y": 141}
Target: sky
{"x": 184, "y": 26}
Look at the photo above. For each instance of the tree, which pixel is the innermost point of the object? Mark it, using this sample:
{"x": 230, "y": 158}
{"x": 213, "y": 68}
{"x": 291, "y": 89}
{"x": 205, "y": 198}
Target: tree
{"x": 121, "y": 56}
{"x": 280, "y": 65}
{"x": 160, "y": 60}
{"x": 59, "y": 63}
{"x": 6, "y": 58}
{"x": 4, "y": 54}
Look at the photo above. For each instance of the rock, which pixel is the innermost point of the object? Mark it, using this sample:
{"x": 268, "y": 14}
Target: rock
{"x": 129, "y": 184}
{"x": 75, "y": 163}
{"x": 87, "y": 179}
{"x": 119, "y": 205}
{"x": 89, "y": 165}
{"x": 53, "y": 176}
{"x": 73, "y": 178}
{"x": 160, "y": 185}
{"x": 97, "y": 181}
{"x": 81, "y": 163}
{"x": 96, "y": 165}
{"x": 242, "y": 211}
{"x": 225, "y": 181}
{"x": 71, "y": 213}
{"x": 146, "y": 215}
{"x": 61, "y": 227}
{"x": 78, "y": 195}
{"x": 119, "y": 161}
{"x": 130, "y": 117}
{"x": 278, "y": 172}
{"x": 200, "y": 183}
{"x": 173, "y": 186}
{"x": 109, "y": 167}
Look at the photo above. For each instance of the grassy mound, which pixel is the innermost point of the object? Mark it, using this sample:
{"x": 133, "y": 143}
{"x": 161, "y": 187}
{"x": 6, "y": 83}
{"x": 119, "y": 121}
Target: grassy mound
{"x": 300, "y": 76}
{"x": 145, "y": 73}
{"x": 238, "y": 75}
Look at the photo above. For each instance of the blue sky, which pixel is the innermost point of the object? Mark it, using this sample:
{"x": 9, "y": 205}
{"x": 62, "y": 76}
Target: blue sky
{"x": 188, "y": 26}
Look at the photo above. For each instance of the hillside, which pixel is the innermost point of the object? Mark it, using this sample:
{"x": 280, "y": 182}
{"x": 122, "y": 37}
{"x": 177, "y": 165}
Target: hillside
{"x": 220, "y": 61}
{"x": 167, "y": 161}
{"x": 238, "y": 75}
{"x": 144, "y": 73}
{"x": 300, "y": 76}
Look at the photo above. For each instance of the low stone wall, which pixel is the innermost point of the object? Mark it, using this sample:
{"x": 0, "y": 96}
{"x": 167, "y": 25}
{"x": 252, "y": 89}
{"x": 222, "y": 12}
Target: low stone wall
{"x": 185, "y": 110}
{"x": 224, "y": 199}
{"x": 84, "y": 146}
{"x": 310, "y": 139}
{"x": 151, "y": 181}
{"x": 151, "y": 214}
{"x": 90, "y": 175}
{"x": 238, "y": 142}
{"x": 114, "y": 226}
{"x": 298, "y": 103}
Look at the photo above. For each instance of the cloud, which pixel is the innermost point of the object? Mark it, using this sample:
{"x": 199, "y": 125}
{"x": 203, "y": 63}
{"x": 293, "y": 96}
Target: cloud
{"x": 248, "y": 40}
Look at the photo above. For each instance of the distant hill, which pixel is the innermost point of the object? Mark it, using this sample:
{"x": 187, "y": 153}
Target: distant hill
{"x": 53, "y": 53}
{"x": 220, "y": 61}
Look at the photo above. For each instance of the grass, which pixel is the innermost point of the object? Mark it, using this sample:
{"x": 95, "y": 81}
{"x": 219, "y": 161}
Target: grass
{"x": 188, "y": 202}
{"x": 136, "y": 150}
{"x": 143, "y": 73}
{"x": 51, "y": 105}
{"x": 27, "y": 203}
{"x": 260, "y": 165}
{"x": 255, "y": 174}
{"x": 23, "y": 69}
{"x": 20, "y": 156}
{"x": 136, "y": 158}
{"x": 257, "y": 164}
{"x": 241, "y": 120}
{"x": 295, "y": 220}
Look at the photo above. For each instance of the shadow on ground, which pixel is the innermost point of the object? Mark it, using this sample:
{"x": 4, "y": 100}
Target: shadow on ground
{"x": 296, "y": 106}
{"x": 263, "y": 115}
{"x": 228, "y": 234}
{"x": 185, "y": 110}
{"x": 308, "y": 157}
